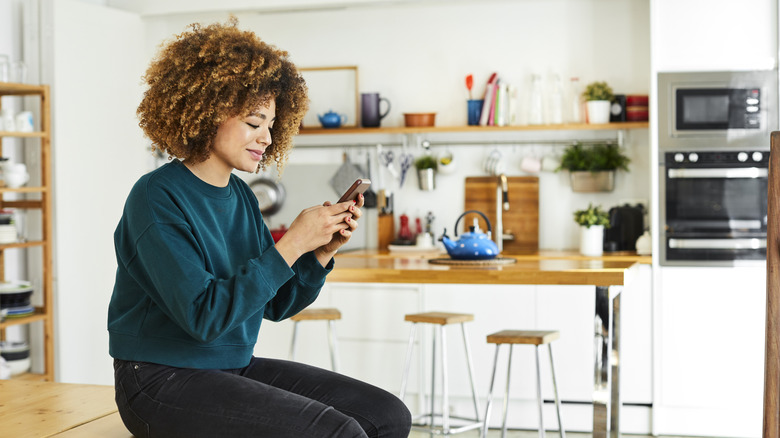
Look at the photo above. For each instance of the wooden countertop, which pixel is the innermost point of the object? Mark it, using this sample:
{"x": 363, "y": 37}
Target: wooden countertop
{"x": 539, "y": 268}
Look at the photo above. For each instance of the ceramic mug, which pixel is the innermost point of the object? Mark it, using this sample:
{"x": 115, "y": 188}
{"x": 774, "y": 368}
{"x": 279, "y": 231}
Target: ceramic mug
{"x": 531, "y": 164}
{"x": 15, "y": 174}
{"x": 370, "y": 115}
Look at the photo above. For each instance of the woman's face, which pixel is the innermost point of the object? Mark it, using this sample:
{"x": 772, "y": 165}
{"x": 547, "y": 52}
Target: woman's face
{"x": 241, "y": 141}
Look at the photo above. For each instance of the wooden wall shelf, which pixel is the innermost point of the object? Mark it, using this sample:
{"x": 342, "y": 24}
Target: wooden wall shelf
{"x": 438, "y": 129}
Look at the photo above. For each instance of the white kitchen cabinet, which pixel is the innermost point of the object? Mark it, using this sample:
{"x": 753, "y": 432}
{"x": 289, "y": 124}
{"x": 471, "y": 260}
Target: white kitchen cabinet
{"x": 691, "y": 35}
{"x": 711, "y": 355}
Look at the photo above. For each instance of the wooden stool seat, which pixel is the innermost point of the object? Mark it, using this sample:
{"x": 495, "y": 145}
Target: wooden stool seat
{"x": 532, "y": 337}
{"x": 441, "y": 318}
{"x": 317, "y": 315}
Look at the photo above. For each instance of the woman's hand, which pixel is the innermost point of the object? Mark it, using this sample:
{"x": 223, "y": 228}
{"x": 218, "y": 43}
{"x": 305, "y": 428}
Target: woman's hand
{"x": 316, "y": 228}
{"x": 325, "y": 252}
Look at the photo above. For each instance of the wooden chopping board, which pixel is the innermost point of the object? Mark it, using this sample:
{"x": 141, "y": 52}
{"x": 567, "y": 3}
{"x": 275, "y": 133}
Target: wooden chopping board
{"x": 522, "y": 218}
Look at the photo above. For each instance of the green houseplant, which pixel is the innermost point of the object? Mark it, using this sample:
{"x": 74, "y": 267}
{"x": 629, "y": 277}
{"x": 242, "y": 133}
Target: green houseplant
{"x": 592, "y": 221}
{"x": 599, "y": 97}
{"x": 592, "y": 168}
{"x": 426, "y": 171}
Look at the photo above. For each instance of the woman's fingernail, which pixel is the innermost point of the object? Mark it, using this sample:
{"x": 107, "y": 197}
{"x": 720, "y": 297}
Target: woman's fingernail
{"x": 351, "y": 208}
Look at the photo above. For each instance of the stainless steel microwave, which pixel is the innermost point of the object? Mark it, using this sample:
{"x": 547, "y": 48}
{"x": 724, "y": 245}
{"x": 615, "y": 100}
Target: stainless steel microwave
{"x": 735, "y": 109}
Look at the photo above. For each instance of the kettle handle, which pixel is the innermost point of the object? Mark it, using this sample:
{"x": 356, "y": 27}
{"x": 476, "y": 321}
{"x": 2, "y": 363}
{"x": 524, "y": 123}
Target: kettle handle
{"x": 472, "y": 211}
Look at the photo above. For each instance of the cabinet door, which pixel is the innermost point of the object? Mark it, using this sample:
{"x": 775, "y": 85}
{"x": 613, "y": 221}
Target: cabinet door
{"x": 711, "y": 351}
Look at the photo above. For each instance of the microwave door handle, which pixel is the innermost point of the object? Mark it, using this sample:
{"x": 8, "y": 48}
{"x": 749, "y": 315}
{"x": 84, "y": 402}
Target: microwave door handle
{"x": 717, "y": 243}
{"x": 731, "y": 172}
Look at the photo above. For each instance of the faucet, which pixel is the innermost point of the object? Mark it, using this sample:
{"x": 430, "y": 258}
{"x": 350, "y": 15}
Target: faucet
{"x": 502, "y": 204}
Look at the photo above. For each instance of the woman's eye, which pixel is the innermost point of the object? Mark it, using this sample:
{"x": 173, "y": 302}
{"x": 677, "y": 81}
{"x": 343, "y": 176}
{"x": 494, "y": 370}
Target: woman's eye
{"x": 253, "y": 126}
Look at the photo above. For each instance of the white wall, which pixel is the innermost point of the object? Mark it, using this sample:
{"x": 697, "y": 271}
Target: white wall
{"x": 98, "y": 153}
{"x": 418, "y": 55}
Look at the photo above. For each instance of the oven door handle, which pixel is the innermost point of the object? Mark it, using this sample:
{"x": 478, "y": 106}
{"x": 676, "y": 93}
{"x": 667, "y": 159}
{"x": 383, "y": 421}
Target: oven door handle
{"x": 731, "y": 172}
{"x": 717, "y": 243}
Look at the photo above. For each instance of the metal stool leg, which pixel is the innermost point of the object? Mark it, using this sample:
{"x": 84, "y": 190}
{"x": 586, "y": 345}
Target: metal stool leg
{"x": 433, "y": 378}
{"x": 539, "y": 393}
{"x": 555, "y": 391}
{"x": 294, "y": 340}
{"x": 490, "y": 394}
{"x": 334, "y": 348}
{"x": 506, "y": 393}
{"x": 470, "y": 364}
{"x": 408, "y": 361}
{"x": 445, "y": 400}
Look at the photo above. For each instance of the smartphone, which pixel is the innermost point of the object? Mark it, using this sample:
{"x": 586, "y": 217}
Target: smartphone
{"x": 359, "y": 186}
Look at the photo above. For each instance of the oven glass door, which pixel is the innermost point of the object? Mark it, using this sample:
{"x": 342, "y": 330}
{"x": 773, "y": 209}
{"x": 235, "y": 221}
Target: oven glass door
{"x": 716, "y": 109}
{"x": 723, "y": 199}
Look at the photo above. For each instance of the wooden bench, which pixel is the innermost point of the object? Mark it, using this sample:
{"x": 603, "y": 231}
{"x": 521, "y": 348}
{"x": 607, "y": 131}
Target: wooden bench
{"x": 35, "y": 409}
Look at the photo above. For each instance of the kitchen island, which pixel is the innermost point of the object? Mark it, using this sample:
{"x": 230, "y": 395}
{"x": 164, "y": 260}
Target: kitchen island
{"x": 608, "y": 275}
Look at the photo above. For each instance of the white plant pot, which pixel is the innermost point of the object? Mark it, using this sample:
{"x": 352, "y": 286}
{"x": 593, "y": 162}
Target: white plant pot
{"x": 598, "y": 111}
{"x": 592, "y": 240}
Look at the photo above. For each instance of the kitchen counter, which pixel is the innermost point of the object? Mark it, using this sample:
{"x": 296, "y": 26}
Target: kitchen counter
{"x": 545, "y": 267}
{"x": 609, "y": 274}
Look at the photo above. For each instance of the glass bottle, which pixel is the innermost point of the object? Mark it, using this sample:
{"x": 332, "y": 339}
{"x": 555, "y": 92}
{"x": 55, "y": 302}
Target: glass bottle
{"x": 556, "y": 101}
{"x": 535, "y": 109}
{"x": 575, "y": 101}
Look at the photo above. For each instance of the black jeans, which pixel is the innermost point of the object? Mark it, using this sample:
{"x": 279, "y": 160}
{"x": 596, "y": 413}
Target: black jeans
{"x": 268, "y": 398}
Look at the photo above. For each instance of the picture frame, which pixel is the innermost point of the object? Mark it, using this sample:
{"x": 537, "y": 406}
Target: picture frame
{"x": 332, "y": 89}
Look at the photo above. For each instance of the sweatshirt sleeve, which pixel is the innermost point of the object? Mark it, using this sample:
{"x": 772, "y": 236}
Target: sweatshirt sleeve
{"x": 301, "y": 290}
{"x": 170, "y": 266}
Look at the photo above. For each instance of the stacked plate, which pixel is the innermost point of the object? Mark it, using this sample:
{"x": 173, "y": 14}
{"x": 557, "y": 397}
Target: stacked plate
{"x": 16, "y": 355}
{"x": 15, "y": 298}
{"x": 8, "y": 233}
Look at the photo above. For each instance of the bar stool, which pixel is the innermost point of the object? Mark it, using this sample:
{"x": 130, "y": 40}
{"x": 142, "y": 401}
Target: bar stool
{"x": 528, "y": 337}
{"x": 329, "y": 315}
{"x": 441, "y": 319}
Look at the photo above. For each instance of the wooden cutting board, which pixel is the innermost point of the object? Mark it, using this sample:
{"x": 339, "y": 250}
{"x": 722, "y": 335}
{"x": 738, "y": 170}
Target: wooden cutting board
{"x": 522, "y": 218}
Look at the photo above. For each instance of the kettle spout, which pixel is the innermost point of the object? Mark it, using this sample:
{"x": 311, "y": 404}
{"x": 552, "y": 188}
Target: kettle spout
{"x": 448, "y": 244}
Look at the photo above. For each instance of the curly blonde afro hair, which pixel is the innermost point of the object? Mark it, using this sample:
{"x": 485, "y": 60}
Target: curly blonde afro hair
{"x": 207, "y": 75}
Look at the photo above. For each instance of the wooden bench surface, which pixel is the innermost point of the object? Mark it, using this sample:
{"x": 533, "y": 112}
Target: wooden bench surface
{"x": 42, "y": 409}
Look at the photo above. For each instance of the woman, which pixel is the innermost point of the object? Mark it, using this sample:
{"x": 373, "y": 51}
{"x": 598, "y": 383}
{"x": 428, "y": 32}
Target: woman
{"x": 197, "y": 268}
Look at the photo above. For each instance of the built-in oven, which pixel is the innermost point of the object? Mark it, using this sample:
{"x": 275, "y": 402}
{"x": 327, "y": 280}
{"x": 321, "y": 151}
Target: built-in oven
{"x": 735, "y": 110}
{"x": 714, "y": 207}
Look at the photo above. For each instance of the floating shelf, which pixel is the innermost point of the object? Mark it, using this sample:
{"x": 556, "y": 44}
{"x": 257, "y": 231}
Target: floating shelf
{"x": 432, "y": 129}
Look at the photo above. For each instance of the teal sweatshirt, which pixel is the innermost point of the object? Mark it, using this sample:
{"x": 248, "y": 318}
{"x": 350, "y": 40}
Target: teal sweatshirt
{"x": 197, "y": 272}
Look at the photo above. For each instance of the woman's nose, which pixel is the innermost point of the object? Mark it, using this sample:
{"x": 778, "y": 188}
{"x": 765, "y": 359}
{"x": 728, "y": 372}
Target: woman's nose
{"x": 265, "y": 137}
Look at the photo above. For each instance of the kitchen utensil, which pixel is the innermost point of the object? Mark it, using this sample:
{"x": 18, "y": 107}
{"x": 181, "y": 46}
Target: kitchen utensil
{"x": 494, "y": 163}
{"x": 270, "y": 195}
{"x": 447, "y": 163}
{"x": 386, "y": 158}
{"x": 370, "y": 115}
{"x": 419, "y": 119}
{"x": 469, "y": 85}
{"x": 369, "y": 197}
{"x": 522, "y": 218}
{"x": 472, "y": 245}
{"x": 406, "y": 163}
{"x": 332, "y": 119}
{"x": 345, "y": 175}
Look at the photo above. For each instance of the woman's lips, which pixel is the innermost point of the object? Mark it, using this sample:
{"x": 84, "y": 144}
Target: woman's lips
{"x": 257, "y": 155}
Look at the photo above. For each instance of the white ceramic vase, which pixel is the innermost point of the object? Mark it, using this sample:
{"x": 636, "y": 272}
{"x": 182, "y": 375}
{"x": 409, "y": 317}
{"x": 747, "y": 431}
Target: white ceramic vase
{"x": 592, "y": 240}
{"x": 598, "y": 111}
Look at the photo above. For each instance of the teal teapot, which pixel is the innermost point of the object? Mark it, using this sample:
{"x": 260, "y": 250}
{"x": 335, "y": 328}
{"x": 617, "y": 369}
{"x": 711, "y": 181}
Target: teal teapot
{"x": 332, "y": 119}
{"x": 472, "y": 245}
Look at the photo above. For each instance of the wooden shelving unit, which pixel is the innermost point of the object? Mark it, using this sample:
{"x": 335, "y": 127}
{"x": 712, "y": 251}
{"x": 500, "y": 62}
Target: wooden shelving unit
{"x": 44, "y": 313}
{"x": 435, "y": 129}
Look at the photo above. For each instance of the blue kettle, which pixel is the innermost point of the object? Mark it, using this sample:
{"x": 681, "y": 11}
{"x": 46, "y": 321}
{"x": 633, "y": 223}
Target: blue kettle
{"x": 332, "y": 119}
{"x": 472, "y": 245}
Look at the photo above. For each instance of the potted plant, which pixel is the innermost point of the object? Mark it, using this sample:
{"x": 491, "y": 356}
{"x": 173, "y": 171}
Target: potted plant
{"x": 592, "y": 221}
{"x": 592, "y": 168}
{"x": 426, "y": 171}
{"x": 598, "y": 96}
